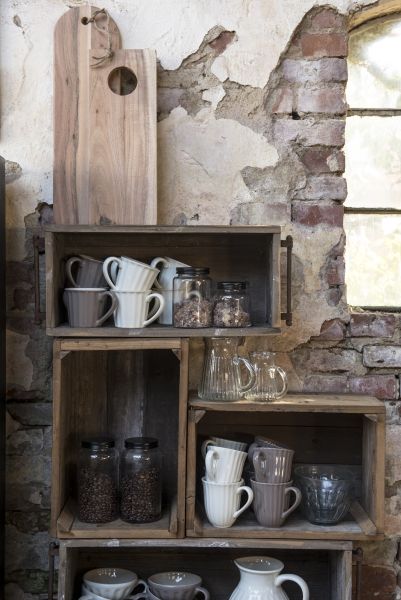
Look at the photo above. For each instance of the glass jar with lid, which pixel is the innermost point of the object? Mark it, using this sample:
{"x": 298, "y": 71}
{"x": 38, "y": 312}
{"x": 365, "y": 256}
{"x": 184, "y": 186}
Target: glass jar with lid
{"x": 192, "y": 301}
{"x": 140, "y": 481}
{"x": 232, "y": 305}
{"x": 98, "y": 480}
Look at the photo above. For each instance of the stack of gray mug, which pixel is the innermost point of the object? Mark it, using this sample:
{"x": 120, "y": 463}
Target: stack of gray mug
{"x": 271, "y": 482}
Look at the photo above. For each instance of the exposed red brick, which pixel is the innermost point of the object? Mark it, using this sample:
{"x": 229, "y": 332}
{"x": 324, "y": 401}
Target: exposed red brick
{"x": 311, "y": 132}
{"x": 332, "y": 330}
{"x": 384, "y": 387}
{"x": 378, "y": 582}
{"x": 325, "y": 70}
{"x": 328, "y": 19}
{"x": 372, "y": 325}
{"x": 222, "y": 41}
{"x": 283, "y": 102}
{"x": 326, "y": 384}
{"x": 329, "y": 100}
{"x": 324, "y": 187}
{"x": 385, "y": 357}
{"x": 322, "y": 159}
{"x": 334, "y": 295}
{"x": 310, "y": 214}
{"x": 317, "y": 45}
{"x": 335, "y": 271}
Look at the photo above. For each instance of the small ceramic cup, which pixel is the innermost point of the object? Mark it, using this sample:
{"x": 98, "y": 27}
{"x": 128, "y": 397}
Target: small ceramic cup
{"x": 217, "y": 441}
{"x": 222, "y": 501}
{"x": 111, "y": 583}
{"x": 85, "y": 272}
{"x": 177, "y": 585}
{"x": 128, "y": 274}
{"x": 86, "y": 306}
{"x": 269, "y": 503}
{"x": 133, "y": 308}
{"x": 224, "y": 465}
{"x": 272, "y": 465}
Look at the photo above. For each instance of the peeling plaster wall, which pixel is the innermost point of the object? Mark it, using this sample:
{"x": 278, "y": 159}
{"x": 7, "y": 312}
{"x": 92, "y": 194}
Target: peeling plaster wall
{"x": 251, "y": 120}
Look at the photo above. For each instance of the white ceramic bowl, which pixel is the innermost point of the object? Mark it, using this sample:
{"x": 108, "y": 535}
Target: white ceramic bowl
{"x": 110, "y": 583}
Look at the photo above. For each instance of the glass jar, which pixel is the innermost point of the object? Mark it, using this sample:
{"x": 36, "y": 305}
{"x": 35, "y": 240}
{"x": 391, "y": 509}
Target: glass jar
{"x": 98, "y": 480}
{"x": 140, "y": 483}
{"x": 232, "y": 306}
{"x": 192, "y": 297}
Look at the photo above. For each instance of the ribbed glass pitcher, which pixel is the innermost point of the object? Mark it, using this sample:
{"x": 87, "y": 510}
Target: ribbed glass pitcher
{"x": 222, "y": 377}
{"x": 271, "y": 380}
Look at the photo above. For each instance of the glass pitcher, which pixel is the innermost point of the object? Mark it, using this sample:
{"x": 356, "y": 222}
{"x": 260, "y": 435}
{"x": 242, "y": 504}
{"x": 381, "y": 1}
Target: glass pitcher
{"x": 222, "y": 377}
{"x": 271, "y": 380}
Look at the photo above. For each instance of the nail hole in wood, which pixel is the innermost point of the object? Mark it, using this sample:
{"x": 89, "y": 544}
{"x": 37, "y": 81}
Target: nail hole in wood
{"x": 84, "y": 20}
{"x": 122, "y": 81}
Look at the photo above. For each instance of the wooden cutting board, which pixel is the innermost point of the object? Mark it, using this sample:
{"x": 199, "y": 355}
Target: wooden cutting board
{"x": 122, "y": 140}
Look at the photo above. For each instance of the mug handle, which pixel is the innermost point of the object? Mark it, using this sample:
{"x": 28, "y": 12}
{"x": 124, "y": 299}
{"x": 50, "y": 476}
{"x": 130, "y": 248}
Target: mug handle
{"x": 302, "y": 584}
{"x": 159, "y": 310}
{"x": 211, "y": 464}
{"x": 154, "y": 264}
{"x": 259, "y": 467}
{"x": 141, "y": 595}
{"x": 283, "y": 376}
{"x": 252, "y": 376}
{"x": 298, "y": 498}
{"x": 205, "y": 445}
{"x": 248, "y": 490}
{"x": 68, "y": 268}
{"x": 203, "y": 591}
{"x": 110, "y": 259}
{"x": 114, "y": 304}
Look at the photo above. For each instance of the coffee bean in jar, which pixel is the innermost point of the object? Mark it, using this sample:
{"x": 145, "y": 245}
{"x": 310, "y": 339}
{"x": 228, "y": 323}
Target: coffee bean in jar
{"x": 98, "y": 481}
{"x": 192, "y": 305}
{"x": 140, "y": 481}
{"x": 232, "y": 306}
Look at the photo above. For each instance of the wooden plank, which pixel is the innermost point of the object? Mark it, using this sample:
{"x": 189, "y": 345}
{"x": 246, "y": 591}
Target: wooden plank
{"x": 360, "y": 516}
{"x": 274, "y": 290}
{"x": 94, "y": 344}
{"x": 191, "y": 470}
{"x": 331, "y": 403}
{"x": 122, "y": 143}
{"x": 341, "y": 575}
{"x": 165, "y": 229}
{"x": 118, "y": 529}
{"x": 159, "y": 331}
{"x": 373, "y": 482}
{"x": 57, "y": 495}
{"x": 72, "y": 40}
{"x": 296, "y": 527}
{"x": 182, "y": 436}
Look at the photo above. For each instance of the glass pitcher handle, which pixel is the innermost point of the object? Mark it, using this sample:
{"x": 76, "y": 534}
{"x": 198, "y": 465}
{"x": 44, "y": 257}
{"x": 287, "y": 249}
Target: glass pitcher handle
{"x": 252, "y": 377}
{"x": 283, "y": 376}
{"x": 296, "y": 579}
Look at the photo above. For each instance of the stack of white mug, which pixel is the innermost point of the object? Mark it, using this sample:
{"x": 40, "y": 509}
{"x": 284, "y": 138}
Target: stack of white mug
{"x": 223, "y": 484}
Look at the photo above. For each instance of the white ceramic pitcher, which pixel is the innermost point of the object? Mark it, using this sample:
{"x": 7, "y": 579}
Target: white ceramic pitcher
{"x": 261, "y": 580}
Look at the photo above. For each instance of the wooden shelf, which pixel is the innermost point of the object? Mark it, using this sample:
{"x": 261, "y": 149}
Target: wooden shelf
{"x": 348, "y": 403}
{"x": 161, "y": 331}
{"x": 356, "y": 526}
{"x": 69, "y": 526}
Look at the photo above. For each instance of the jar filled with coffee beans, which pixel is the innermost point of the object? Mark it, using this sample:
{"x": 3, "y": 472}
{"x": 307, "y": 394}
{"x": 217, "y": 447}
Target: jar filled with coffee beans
{"x": 192, "y": 301}
{"x": 98, "y": 480}
{"x": 232, "y": 306}
{"x": 140, "y": 481}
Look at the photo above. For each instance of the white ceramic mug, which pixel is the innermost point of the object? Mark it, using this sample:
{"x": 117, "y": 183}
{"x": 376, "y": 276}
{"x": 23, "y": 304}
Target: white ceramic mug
{"x": 111, "y": 583}
{"x": 133, "y": 308}
{"x": 167, "y": 268}
{"x": 166, "y": 318}
{"x": 88, "y": 595}
{"x": 224, "y": 465}
{"x": 222, "y": 501}
{"x": 128, "y": 274}
{"x": 217, "y": 441}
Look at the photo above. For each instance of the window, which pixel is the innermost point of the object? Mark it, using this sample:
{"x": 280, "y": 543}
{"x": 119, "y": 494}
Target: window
{"x": 373, "y": 165}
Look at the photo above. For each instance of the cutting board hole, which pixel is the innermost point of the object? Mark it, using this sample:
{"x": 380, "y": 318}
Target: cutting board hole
{"x": 122, "y": 81}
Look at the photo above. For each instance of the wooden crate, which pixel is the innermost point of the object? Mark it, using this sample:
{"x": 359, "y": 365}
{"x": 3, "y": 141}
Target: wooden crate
{"x": 122, "y": 388}
{"x": 232, "y": 253}
{"x": 325, "y": 566}
{"x": 348, "y": 430}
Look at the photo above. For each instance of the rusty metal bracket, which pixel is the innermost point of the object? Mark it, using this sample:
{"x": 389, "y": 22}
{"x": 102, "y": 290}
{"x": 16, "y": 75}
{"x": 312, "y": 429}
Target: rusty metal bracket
{"x": 289, "y": 244}
{"x": 358, "y": 556}
{"x": 53, "y": 552}
{"x": 38, "y": 249}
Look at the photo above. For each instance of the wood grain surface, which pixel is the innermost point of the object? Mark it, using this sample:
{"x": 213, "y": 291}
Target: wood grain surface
{"x": 122, "y": 143}
{"x": 72, "y": 40}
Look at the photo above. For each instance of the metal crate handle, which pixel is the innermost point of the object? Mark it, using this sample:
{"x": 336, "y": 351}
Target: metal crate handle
{"x": 289, "y": 244}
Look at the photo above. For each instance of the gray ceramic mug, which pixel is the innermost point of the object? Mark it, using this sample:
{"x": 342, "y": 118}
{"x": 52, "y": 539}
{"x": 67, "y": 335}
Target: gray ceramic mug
{"x": 269, "y": 503}
{"x": 85, "y": 272}
{"x": 86, "y": 306}
{"x": 176, "y": 585}
{"x": 272, "y": 465}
